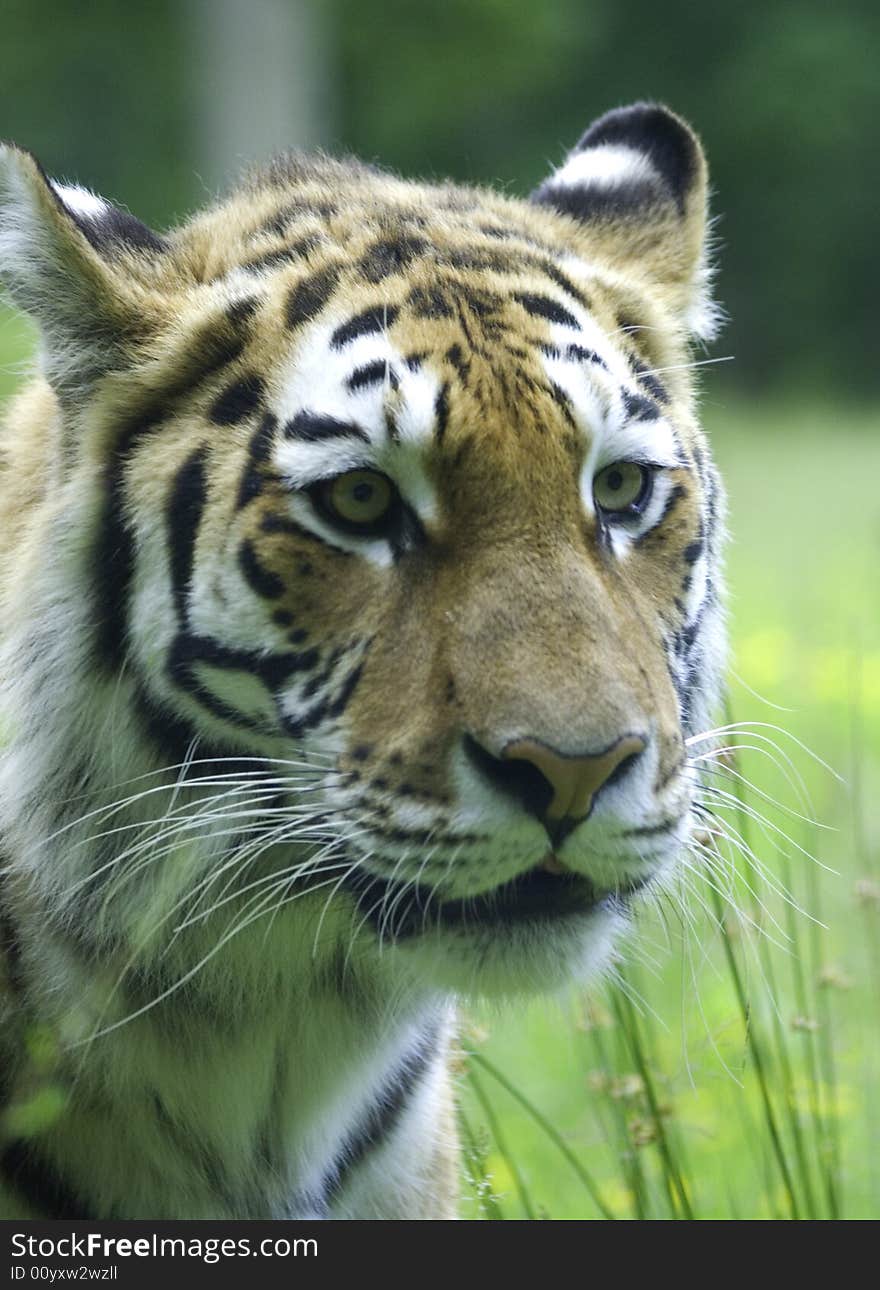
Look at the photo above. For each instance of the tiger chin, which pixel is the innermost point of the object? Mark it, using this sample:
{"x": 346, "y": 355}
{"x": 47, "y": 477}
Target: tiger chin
{"x": 360, "y": 593}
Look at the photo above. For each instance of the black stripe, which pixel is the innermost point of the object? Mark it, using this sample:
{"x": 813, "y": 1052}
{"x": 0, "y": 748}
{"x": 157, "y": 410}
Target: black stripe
{"x": 237, "y": 400}
{"x": 269, "y": 260}
{"x": 544, "y": 307}
{"x": 340, "y": 703}
{"x": 114, "y": 554}
{"x": 646, "y": 377}
{"x": 372, "y": 320}
{"x": 259, "y": 449}
{"x": 323, "y": 711}
{"x": 430, "y": 302}
{"x": 176, "y": 738}
{"x": 684, "y": 640}
{"x": 297, "y": 209}
{"x": 371, "y": 374}
{"x": 261, "y": 580}
{"x": 482, "y": 259}
{"x": 575, "y": 354}
{"x": 311, "y": 427}
{"x": 678, "y": 493}
{"x": 637, "y": 408}
{"x": 271, "y": 523}
{"x": 583, "y": 355}
{"x": 308, "y": 298}
{"x": 39, "y": 1186}
{"x": 184, "y": 513}
{"x": 586, "y": 202}
{"x": 322, "y": 679}
{"x": 565, "y": 283}
{"x": 441, "y": 411}
{"x": 215, "y": 346}
{"x": 390, "y": 255}
{"x": 563, "y": 402}
{"x": 380, "y": 1121}
{"x": 456, "y": 357}
{"x": 272, "y": 669}
{"x": 241, "y": 311}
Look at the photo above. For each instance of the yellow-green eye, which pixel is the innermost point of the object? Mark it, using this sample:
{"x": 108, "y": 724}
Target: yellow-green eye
{"x": 623, "y": 488}
{"x": 360, "y": 501}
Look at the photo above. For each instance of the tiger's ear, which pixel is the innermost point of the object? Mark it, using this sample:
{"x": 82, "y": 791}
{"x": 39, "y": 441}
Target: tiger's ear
{"x": 637, "y": 181}
{"x": 74, "y": 262}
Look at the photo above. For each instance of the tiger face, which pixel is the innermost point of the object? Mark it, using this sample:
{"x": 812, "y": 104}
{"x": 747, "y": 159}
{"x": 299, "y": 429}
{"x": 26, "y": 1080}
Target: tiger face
{"x": 401, "y": 486}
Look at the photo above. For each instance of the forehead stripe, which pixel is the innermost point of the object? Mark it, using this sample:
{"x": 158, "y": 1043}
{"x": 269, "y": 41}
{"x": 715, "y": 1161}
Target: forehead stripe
{"x": 311, "y": 427}
{"x": 374, "y": 319}
{"x": 309, "y": 297}
{"x": 375, "y": 373}
{"x": 545, "y": 307}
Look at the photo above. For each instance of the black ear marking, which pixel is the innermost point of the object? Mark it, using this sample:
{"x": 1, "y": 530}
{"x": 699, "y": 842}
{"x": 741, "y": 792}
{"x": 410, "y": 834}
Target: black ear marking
{"x": 630, "y": 161}
{"x": 653, "y": 131}
{"x": 636, "y": 183}
{"x": 116, "y": 228}
{"x": 104, "y": 225}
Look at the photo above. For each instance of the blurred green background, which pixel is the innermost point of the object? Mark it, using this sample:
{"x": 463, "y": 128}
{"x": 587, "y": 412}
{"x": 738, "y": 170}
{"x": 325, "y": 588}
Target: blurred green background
{"x": 153, "y": 105}
{"x": 697, "y": 1099}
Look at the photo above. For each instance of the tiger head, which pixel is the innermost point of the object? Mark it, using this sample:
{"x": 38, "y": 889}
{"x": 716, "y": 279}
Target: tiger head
{"x": 394, "y": 494}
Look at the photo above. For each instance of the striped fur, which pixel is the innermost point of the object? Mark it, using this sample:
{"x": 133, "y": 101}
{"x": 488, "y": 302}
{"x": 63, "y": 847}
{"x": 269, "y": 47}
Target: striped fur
{"x": 255, "y": 834}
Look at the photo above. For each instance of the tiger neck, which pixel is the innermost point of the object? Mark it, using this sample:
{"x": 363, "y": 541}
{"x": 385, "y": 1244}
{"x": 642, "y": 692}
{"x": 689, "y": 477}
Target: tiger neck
{"x": 193, "y": 1083}
{"x": 241, "y": 1099}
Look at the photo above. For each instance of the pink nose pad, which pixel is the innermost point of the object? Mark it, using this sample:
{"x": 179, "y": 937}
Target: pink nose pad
{"x": 575, "y": 780}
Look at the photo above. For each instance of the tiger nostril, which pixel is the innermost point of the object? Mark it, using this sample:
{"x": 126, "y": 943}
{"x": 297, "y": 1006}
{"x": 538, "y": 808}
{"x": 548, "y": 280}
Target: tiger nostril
{"x": 559, "y": 789}
{"x": 519, "y": 780}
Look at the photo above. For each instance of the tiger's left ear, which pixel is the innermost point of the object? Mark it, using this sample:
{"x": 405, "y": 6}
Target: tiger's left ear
{"x": 80, "y": 266}
{"x": 637, "y": 182}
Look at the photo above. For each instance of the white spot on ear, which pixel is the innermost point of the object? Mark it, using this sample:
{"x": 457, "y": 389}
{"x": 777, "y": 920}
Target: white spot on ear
{"x": 605, "y": 167}
{"x": 79, "y": 201}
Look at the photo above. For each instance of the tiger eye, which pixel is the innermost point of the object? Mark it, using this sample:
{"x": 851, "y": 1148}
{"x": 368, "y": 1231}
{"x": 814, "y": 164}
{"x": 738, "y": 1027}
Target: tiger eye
{"x": 622, "y": 487}
{"x": 359, "y": 497}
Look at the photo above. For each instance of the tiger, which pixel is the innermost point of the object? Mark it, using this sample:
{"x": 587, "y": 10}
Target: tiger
{"x": 361, "y": 592}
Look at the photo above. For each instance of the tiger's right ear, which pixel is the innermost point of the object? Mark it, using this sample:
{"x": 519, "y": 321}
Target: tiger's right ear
{"x": 75, "y": 263}
{"x": 636, "y": 185}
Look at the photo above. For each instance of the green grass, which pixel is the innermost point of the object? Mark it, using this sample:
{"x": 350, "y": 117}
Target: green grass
{"x": 733, "y": 1072}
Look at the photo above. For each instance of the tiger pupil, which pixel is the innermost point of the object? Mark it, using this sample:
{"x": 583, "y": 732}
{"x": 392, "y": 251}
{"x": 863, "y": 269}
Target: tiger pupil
{"x": 362, "y": 492}
{"x": 615, "y": 479}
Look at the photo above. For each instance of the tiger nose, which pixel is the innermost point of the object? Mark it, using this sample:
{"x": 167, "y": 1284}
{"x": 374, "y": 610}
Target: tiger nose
{"x": 574, "y": 781}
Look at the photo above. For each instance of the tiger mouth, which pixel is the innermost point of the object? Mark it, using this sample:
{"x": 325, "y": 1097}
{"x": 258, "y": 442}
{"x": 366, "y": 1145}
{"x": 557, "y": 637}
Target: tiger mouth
{"x": 538, "y": 894}
{"x": 545, "y": 893}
